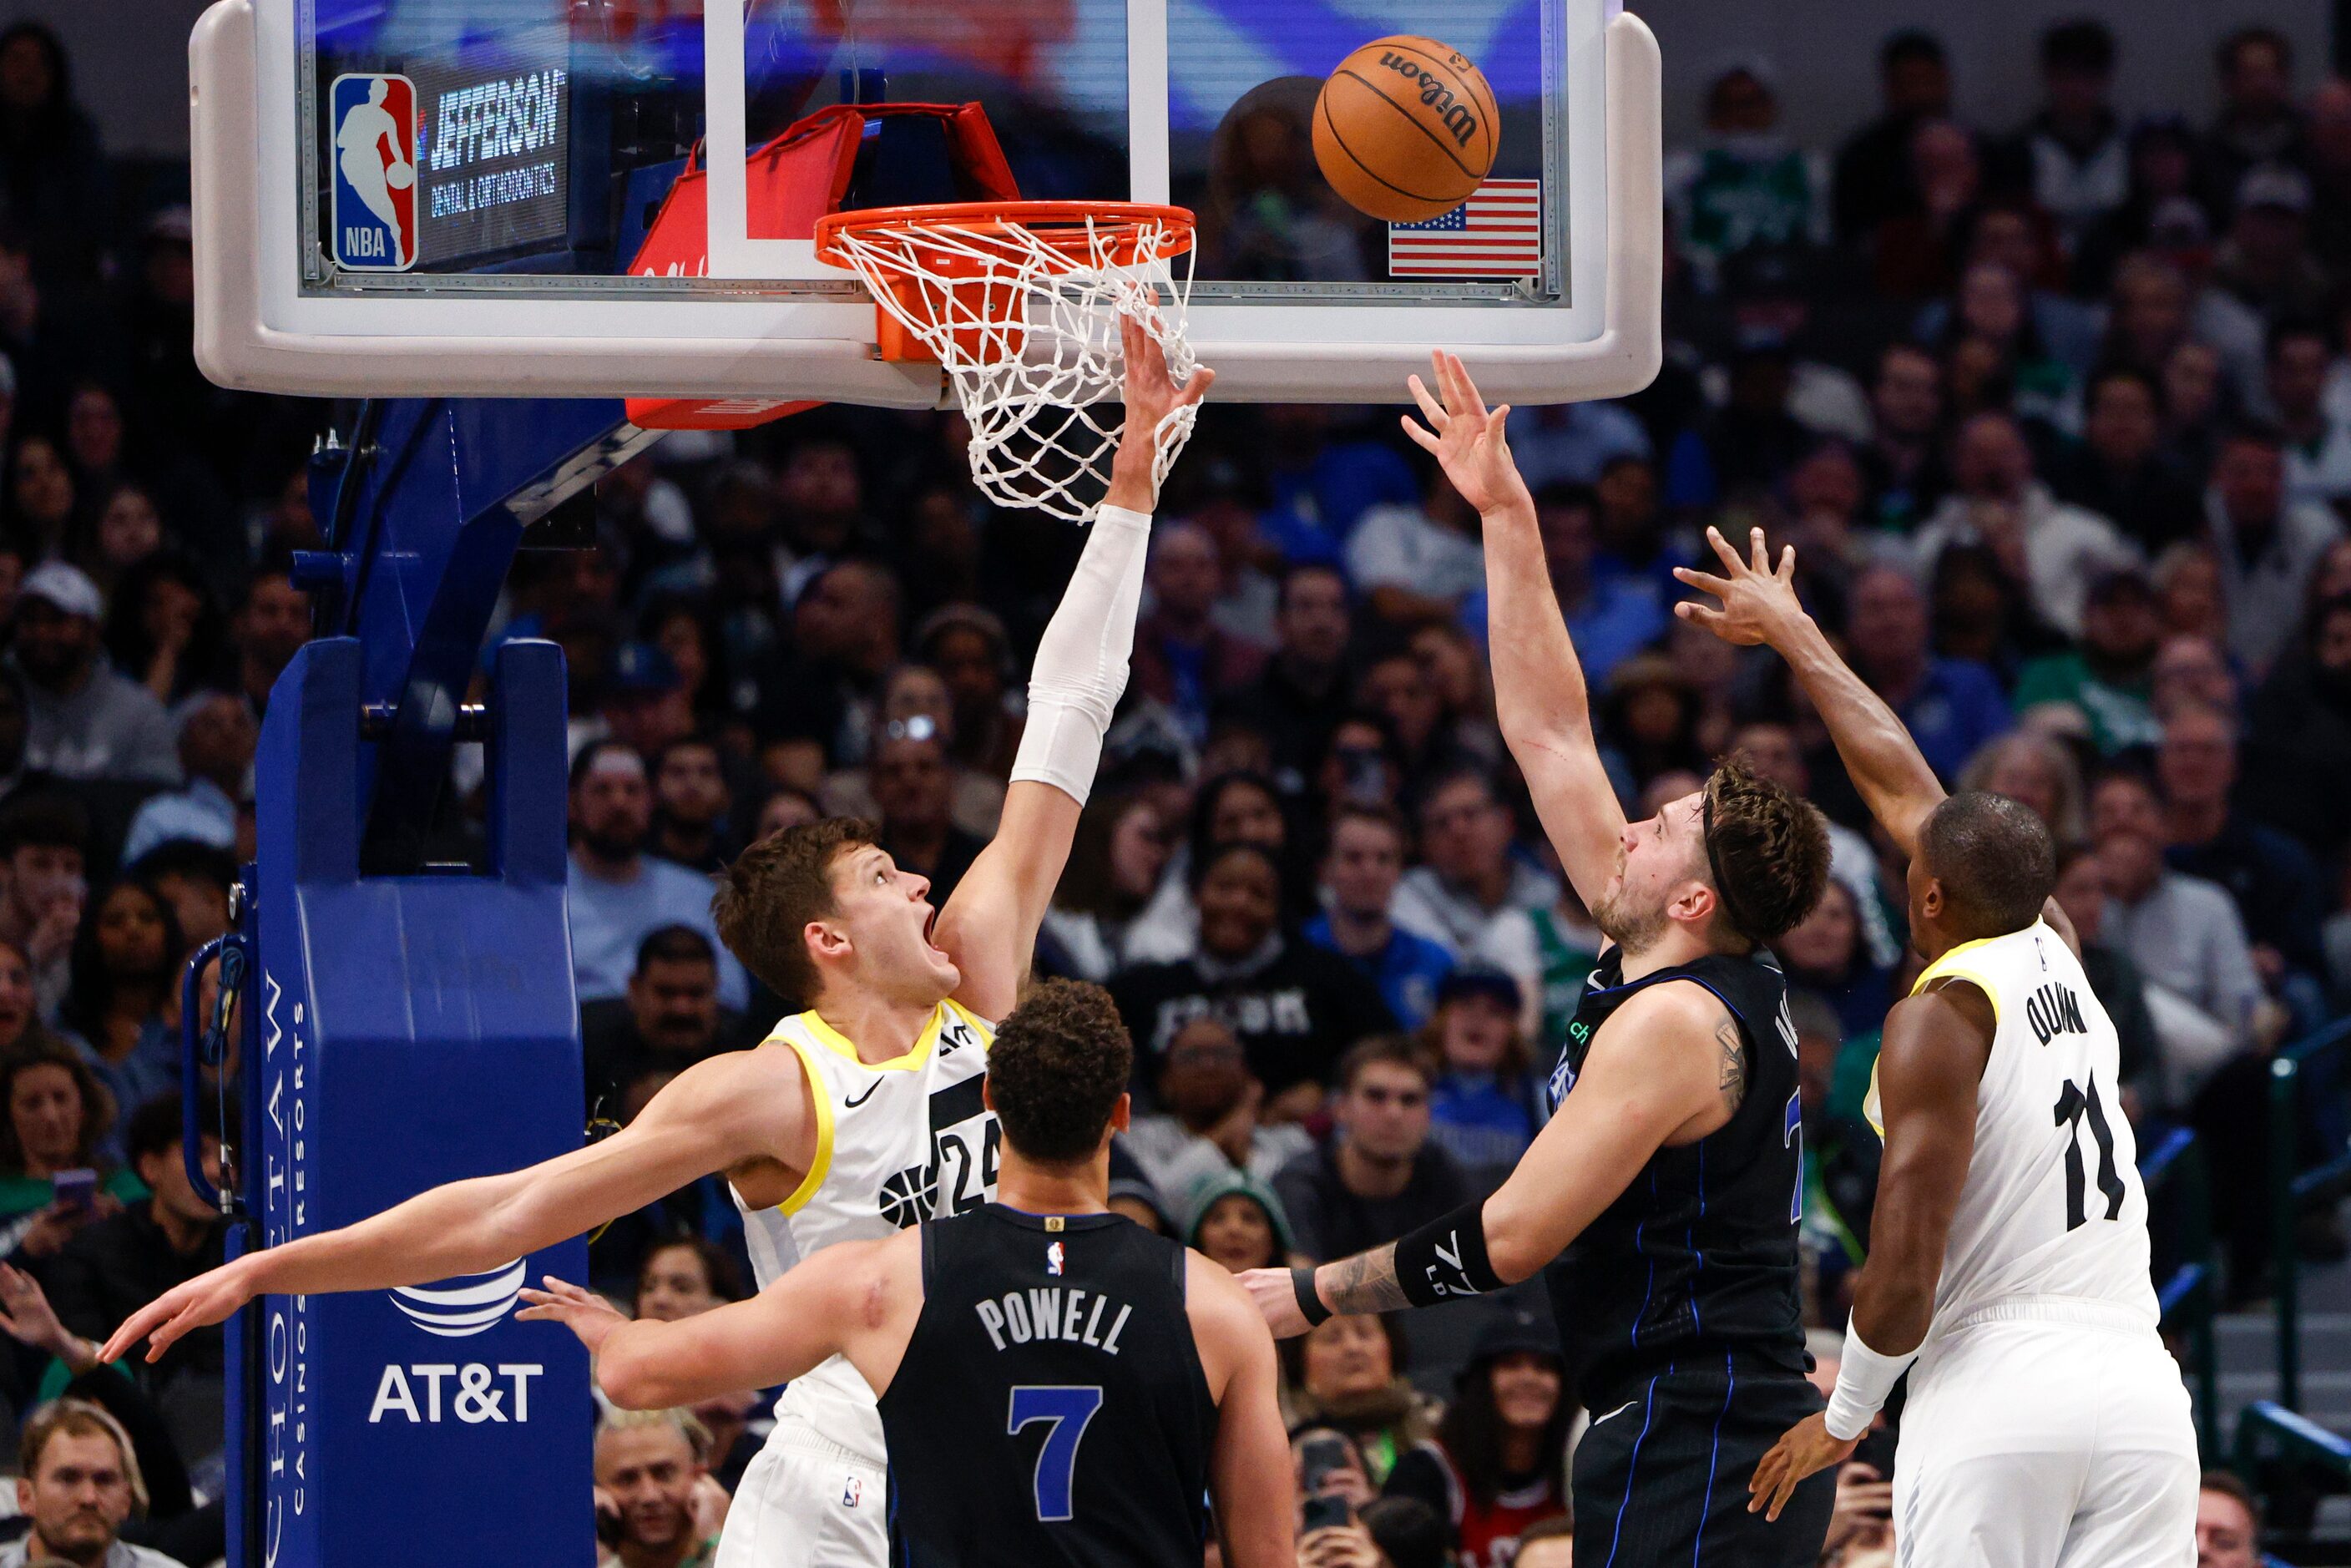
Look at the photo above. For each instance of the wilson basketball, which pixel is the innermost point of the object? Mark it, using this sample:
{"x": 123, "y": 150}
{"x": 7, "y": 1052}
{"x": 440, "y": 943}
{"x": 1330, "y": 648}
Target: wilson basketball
{"x": 1404, "y": 129}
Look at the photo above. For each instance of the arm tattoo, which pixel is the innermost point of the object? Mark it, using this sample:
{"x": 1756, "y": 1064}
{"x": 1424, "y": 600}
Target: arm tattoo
{"x": 1365, "y": 1283}
{"x": 1732, "y": 1074}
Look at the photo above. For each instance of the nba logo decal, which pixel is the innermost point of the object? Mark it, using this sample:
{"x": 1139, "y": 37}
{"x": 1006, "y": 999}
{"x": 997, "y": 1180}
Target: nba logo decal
{"x": 851, "y": 1490}
{"x": 374, "y": 211}
{"x": 1053, "y": 1259}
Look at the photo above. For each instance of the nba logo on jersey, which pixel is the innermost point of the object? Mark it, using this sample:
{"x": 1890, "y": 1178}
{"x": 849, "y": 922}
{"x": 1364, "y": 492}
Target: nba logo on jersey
{"x": 1053, "y": 1259}
{"x": 374, "y": 209}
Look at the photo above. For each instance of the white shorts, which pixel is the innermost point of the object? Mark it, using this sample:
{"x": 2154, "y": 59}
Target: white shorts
{"x": 807, "y": 1502}
{"x": 2046, "y": 1436}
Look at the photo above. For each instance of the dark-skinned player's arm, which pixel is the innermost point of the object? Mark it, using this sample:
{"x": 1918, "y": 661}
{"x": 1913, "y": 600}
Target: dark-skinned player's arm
{"x": 1251, "y": 1482}
{"x": 1758, "y": 603}
{"x": 1669, "y": 1067}
{"x": 989, "y": 926}
{"x": 1540, "y": 698}
{"x": 1936, "y": 1044}
{"x": 857, "y": 1299}
{"x": 717, "y": 1114}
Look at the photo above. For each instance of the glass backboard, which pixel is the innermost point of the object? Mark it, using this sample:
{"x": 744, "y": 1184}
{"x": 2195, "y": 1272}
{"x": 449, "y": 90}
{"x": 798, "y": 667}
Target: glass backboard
{"x": 442, "y": 196}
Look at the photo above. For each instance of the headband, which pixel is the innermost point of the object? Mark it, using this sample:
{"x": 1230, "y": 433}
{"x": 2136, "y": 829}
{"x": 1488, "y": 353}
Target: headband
{"x": 1714, "y": 865}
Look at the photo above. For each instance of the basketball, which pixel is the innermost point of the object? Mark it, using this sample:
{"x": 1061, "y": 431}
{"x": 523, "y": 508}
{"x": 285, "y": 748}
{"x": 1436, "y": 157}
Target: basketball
{"x": 1404, "y": 129}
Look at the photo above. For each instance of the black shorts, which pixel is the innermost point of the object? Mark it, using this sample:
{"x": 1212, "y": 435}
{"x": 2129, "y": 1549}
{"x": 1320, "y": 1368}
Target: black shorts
{"x": 1662, "y": 1480}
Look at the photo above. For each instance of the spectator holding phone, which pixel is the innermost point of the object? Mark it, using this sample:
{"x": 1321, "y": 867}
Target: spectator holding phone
{"x": 1347, "y": 1374}
{"x": 649, "y": 1484}
{"x": 44, "y": 836}
{"x": 57, "y": 1114}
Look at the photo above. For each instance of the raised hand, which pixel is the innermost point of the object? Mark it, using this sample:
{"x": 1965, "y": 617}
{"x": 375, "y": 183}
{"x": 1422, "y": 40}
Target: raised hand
{"x": 26, "y": 1316}
{"x": 581, "y": 1310}
{"x": 1152, "y": 397}
{"x": 1466, "y": 437}
{"x": 1758, "y": 601}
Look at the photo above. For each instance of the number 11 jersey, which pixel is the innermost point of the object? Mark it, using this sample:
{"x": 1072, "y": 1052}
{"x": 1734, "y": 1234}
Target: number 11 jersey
{"x": 1050, "y": 1408}
{"x": 2053, "y": 1207}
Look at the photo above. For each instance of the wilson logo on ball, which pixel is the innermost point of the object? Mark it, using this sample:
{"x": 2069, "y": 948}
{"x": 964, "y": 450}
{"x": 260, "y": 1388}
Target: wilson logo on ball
{"x": 1455, "y": 116}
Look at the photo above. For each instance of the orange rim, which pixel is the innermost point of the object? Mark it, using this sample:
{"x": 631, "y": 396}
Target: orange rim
{"x": 1070, "y": 227}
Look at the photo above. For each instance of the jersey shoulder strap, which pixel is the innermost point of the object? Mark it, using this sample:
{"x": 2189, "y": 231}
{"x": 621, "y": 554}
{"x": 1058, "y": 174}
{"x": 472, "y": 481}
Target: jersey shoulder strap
{"x": 795, "y": 1033}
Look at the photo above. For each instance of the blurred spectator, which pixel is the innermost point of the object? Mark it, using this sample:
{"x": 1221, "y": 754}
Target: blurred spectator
{"x": 271, "y": 623}
{"x": 620, "y": 894}
{"x": 1233, "y": 1218}
{"x": 2073, "y": 152}
{"x": 2228, "y": 1523}
{"x": 1903, "y": 463}
{"x": 2182, "y": 931}
{"x": 1120, "y": 850}
{"x": 1875, "y": 179}
{"x": 80, "y": 1481}
{"x": 1408, "y": 1533}
{"x": 1824, "y": 953}
{"x": 118, "y": 1264}
{"x": 1418, "y": 562}
{"x": 1570, "y": 443}
{"x": 669, "y": 1018}
{"x": 2108, "y": 676}
{"x": 1473, "y": 894}
{"x": 2033, "y": 770}
{"x": 123, "y": 999}
{"x": 649, "y": 1467}
{"x": 1208, "y": 1118}
{"x": 2258, "y": 123}
{"x": 1347, "y": 1374}
{"x": 1912, "y": 248}
{"x": 1483, "y": 1107}
{"x": 2273, "y": 881}
{"x": 1611, "y": 618}
{"x": 1774, "y": 753}
{"x": 1297, "y": 698}
{"x": 1182, "y": 658}
{"x": 1744, "y": 184}
{"x": 45, "y": 838}
{"x": 1379, "y": 1174}
{"x": 681, "y": 1279}
{"x": 216, "y": 745}
{"x": 2163, "y": 211}
{"x": 2193, "y": 669}
{"x": 845, "y": 634}
{"x": 54, "y": 182}
{"x": 912, "y": 693}
{"x": 195, "y": 879}
{"x": 690, "y": 802}
{"x": 2116, "y": 982}
{"x": 1498, "y": 1461}
{"x": 1548, "y": 1543}
{"x": 1360, "y": 873}
{"x": 165, "y": 629}
{"x": 2267, "y": 544}
{"x": 2263, "y": 265}
{"x": 86, "y": 719}
{"x": 912, "y": 790}
{"x": 1235, "y": 807}
{"x": 1997, "y": 501}
{"x": 2299, "y": 748}
{"x": 966, "y": 645}
{"x": 1950, "y": 707}
{"x": 58, "y": 1116}
{"x": 2187, "y": 596}
{"x": 2122, "y": 470}
{"x": 1295, "y": 1006}
{"x": 2317, "y": 447}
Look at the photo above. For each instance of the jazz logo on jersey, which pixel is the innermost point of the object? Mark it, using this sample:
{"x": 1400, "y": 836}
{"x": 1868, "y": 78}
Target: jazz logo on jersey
{"x": 1053, "y": 1256}
{"x": 374, "y": 208}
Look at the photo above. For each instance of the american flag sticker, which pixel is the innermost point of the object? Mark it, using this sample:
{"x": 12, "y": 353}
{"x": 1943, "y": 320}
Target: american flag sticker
{"x": 1497, "y": 233}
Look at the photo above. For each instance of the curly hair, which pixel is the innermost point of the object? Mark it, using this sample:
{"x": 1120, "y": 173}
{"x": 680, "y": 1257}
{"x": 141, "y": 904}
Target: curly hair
{"x": 1059, "y": 1065}
{"x": 38, "y": 1048}
{"x": 768, "y": 897}
{"x": 1767, "y": 849}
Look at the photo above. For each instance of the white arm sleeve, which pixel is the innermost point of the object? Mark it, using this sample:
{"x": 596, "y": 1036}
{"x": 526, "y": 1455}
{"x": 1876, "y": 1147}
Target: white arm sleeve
{"x": 1081, "y": 660}
{"x": 1864, "y": 1380}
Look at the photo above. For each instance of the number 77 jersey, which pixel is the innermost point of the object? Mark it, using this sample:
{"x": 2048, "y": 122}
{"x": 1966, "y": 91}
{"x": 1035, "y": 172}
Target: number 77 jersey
{"x": 2053, "y": 1207}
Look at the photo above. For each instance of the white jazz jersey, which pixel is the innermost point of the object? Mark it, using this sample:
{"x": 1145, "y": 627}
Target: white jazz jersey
{"x": 896, "y": 1141}
{"x": 2053, "y": 1207}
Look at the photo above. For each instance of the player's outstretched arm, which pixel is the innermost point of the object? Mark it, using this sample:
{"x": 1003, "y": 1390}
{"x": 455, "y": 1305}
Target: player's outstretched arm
{"x": 1936, "y": 1046}
{"x": 1539, "y": 698}
{"x": 989, "y": 926}
{"x": 1758, "y": 604}
{"x": 715, "y": 1114}
{"x": 1685, "y": 1076}
{"x": 1251, "y": 1479}
{"x": 857, "y": 1299}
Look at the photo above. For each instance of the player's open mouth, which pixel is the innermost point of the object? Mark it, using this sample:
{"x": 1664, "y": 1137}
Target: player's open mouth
{"x": 930, "y": 924}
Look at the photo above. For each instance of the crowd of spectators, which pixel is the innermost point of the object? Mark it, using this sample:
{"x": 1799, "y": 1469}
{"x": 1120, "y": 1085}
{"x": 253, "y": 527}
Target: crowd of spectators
{"x": 2057, "y": 415}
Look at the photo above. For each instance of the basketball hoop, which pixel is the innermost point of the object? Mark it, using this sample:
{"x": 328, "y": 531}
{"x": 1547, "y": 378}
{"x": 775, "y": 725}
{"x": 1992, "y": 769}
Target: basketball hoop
{"x": 1020, "y": 302}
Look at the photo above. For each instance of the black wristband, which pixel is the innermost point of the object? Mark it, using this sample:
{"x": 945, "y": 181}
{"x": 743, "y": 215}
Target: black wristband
{"x": 1445, "y": 1258}
{"x": 1310, "y": 1299}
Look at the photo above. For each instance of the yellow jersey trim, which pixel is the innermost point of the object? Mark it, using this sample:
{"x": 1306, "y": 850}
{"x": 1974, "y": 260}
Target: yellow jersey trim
{"x": 1949, "y": 967}
{"x": 822, "y": 1099}
{"x": 833, "y": 1039}
{"x": 979, "y": 1024}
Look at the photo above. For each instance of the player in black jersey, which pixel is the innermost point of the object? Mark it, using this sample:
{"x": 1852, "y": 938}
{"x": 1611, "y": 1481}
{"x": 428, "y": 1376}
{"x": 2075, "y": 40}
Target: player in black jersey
{"x": 1058, "y": 1384}
{"x": 1670, "y": 1174}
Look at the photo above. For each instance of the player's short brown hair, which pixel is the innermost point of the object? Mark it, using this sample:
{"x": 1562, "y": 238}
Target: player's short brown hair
{"x": 767, "y": 898}
{"x": 1059, "y": 1065}
{"x": 1767, "y": 852}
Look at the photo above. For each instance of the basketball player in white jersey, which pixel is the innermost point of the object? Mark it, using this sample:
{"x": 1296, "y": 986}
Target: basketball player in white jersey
{"x": 2008, "y": 1268}
{"x": 854, "y": 1120}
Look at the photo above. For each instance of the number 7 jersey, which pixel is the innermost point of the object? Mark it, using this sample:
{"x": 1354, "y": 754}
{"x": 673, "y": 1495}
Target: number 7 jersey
{"x": 2053, "y": 1207}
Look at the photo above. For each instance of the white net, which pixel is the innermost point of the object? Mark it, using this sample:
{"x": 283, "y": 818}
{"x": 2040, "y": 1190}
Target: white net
{"x": 1024, "y": 318}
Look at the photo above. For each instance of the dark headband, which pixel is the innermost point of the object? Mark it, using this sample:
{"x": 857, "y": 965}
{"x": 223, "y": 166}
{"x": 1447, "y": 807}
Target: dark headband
{"x": 1739, "y": 922}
